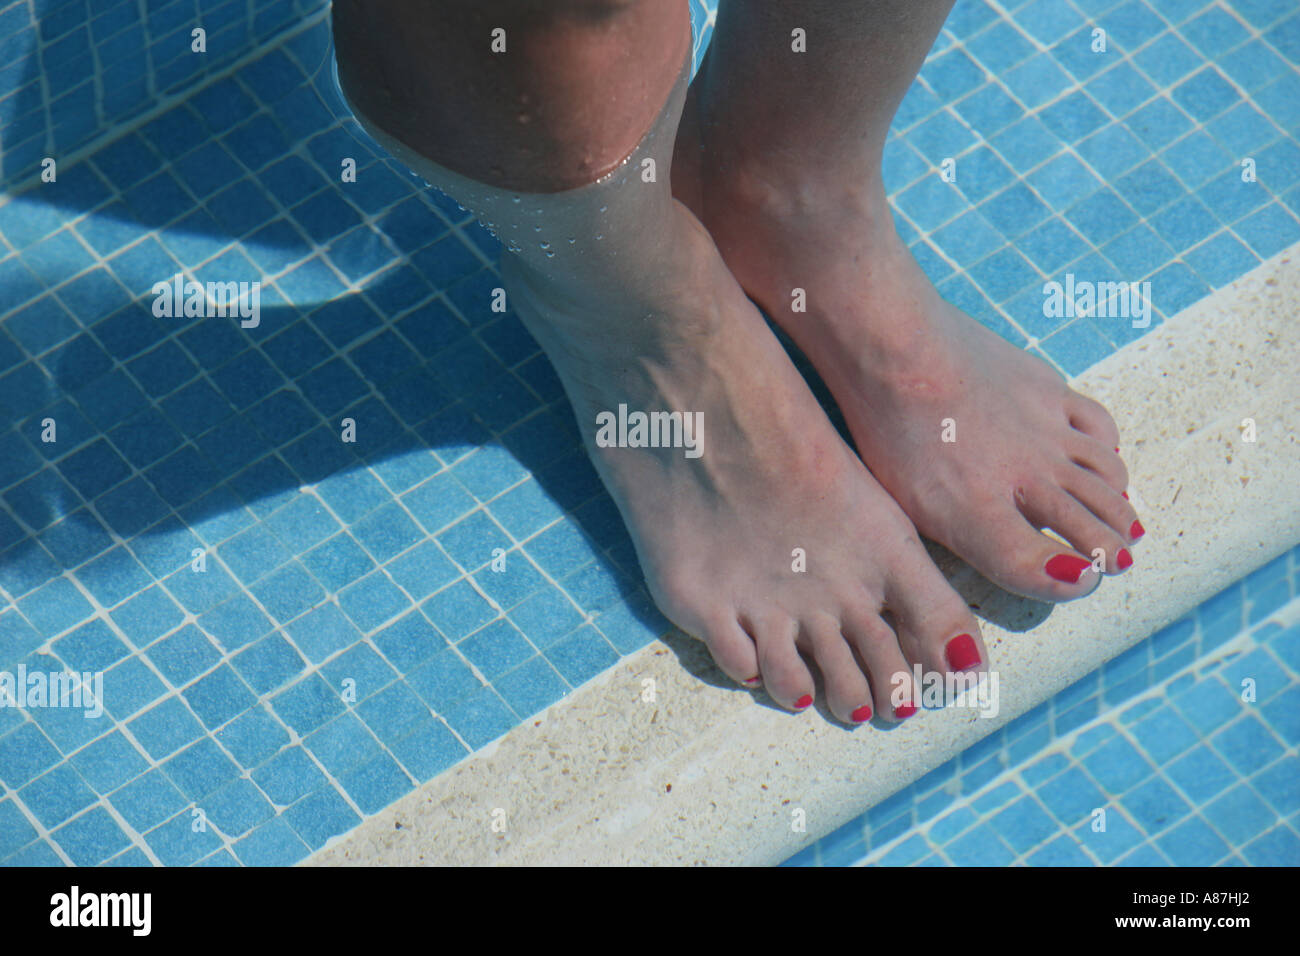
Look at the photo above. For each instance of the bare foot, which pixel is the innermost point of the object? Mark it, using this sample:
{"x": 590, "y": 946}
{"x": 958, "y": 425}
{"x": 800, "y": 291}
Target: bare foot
{"x": 758, "y": 529}
{"x": 982, "y": 444}
{"x": 720, "y": 536}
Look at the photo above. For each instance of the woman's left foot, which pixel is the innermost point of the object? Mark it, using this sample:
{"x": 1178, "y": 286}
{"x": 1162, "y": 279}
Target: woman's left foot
{"x": 981, "y": 443}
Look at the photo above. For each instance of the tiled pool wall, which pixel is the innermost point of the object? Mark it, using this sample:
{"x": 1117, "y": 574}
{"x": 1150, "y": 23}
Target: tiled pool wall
{"x": 74, "y": 71}
{"x": 347, "y": 637}
{"x": 1188, "y": 742}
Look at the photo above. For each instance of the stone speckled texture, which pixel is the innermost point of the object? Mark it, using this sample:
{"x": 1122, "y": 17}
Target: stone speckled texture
{"x": 707, "y": 774}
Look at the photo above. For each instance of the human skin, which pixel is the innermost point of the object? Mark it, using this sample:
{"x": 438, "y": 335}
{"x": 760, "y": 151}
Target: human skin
{"x": 639, "y": 307}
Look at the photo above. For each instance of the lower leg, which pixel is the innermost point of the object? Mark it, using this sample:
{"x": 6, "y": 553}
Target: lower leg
{"x": 627, "y": 294}
{"x": 798, "y": 202}
{"x": 533, "y": 95}
{"x": 834, "y": 98}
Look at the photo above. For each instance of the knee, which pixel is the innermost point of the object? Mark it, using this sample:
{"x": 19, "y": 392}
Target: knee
{"x": 595, "y": 9}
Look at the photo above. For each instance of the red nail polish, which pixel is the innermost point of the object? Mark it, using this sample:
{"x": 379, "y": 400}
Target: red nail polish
{"x": 752, "y": 680}
{"x": 1124, "y": 494}
{"x": 862, "y": 714}
{"x": 803, "y": 702}
{"x": 1135, "y": 530}
{"x": 962, "y": 652}
{"x": 1067, "y": 568}
{"x": 1123, "y": 560}
{"x": 1117, "y": 449}
{"x": 903, "y": 711}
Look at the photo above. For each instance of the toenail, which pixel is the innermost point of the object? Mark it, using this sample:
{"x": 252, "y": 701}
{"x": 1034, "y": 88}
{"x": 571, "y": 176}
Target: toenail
{"x": 1067, "y": 568}
{"x": 903, "y": 711}
{"x": 752, "y": 681}
{"x": 1135, "y": 530}
{"x": 1123, "y": 560}
{"x": 1124, "y": 495}
{"x": 1117, "y": 449}
{"x": 861, "y": 715}
{"x": 962, "y": 653}
{"x": 803, "y": 702}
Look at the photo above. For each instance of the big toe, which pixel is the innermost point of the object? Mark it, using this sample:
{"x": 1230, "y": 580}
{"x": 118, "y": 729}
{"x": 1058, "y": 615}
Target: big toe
{"x": 1014, "y": 554}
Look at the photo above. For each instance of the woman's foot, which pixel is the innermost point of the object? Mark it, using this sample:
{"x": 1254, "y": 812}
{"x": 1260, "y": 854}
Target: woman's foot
{"x": 758, "y": 529}
{"x": 980, "y": 443}
{"x": 769, "y": 537}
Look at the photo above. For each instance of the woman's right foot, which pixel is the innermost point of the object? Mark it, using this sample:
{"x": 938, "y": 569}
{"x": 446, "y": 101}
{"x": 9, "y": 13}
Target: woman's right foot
{"x": 770, "y": 537}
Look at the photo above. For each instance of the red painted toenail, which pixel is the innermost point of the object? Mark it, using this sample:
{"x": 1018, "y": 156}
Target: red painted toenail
{"x": 903, "y": 711}
{"x": 1135, "y": 530}
{"x": 862, "y": 714}
{"x": 1067, "y": 568}
{"x": 803, "y": 702}
{"x": 1124, "y": 495}
{"x": 1123, "y": 560}
{"x": 1117, "y": 449}
{"x": 962, "y": 653}
{"x": 752, "y": 680}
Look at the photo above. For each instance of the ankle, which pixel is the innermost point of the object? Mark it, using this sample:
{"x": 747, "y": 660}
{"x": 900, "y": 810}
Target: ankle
{"x": 791, "y": 185}
{"x": 653, "y": 302}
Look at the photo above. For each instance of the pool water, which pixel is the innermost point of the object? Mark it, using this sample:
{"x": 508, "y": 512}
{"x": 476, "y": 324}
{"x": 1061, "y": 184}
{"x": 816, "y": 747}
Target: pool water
{"x": 295, "y": 631}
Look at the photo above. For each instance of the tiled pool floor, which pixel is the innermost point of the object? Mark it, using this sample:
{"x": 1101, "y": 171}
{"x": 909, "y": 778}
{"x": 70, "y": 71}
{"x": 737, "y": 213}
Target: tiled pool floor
{"x": 295, "y": 630}
{"x": 1188, "y": 743}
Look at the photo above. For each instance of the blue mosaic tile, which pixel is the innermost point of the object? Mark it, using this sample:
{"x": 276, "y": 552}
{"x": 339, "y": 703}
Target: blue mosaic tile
{"x": 376, "y": 784}
{"x": 253, "y": 737}
{"x": 273, "y": 843}
{"x": 203, "y": 435}
{"x": 979, "y": 846}
{"x": 1193, "y": 843}
{"x": 1239, "y": 815}
{"x": 1247, "y": 744}
{"x": 1280, "y": 786}
{"x": 56, "y": 796}
{"x": 321, "y": 815}
{"x": 1154, "y": 805}
{"x": 1278, "y": 847}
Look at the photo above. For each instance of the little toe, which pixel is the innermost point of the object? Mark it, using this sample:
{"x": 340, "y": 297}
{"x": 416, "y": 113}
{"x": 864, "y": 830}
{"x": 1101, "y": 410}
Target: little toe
{"x": 1091, "y": 418}
{"x": 733, "y": 650}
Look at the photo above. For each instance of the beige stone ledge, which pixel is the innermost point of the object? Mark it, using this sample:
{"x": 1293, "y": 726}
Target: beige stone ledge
{"x": 708, "y": 774}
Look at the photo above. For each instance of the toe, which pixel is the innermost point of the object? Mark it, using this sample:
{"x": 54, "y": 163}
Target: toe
{"x": 936, "y": 629}
{"x": 1092, "y": 419}
{"x": 847, "y": 692}
{"x": 1100, "y": 497}
{"x": 1013, "y": 554}
{"x": 893, "y": 689}
{"x": 1099, "y": 458}
{"x": 733, "y": 651}
{"x": 1093, "y": 538}
{"x": 785, "y": 675}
